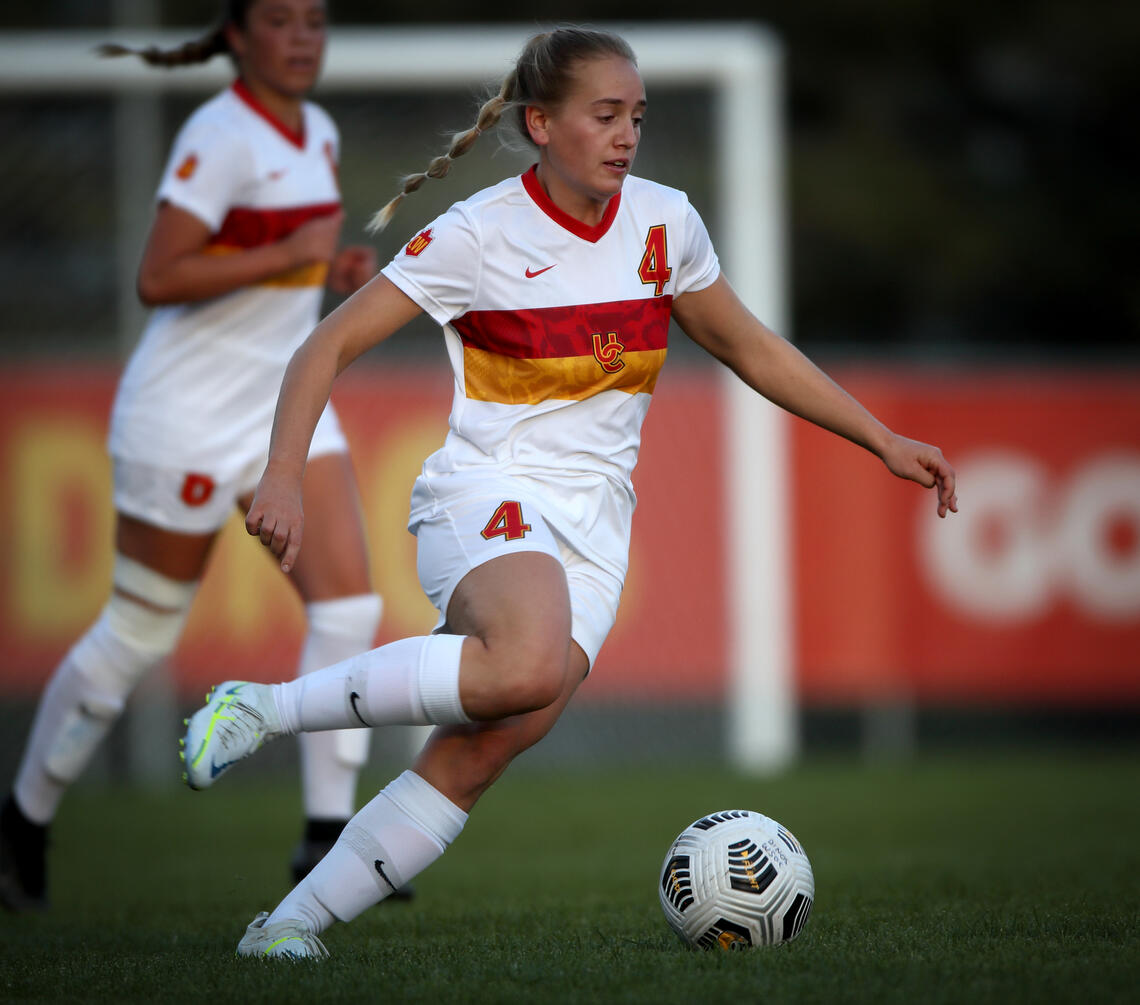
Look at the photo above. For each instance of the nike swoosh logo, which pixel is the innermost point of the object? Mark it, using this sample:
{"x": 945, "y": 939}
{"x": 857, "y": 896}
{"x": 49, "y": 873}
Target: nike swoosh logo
{"x": 379, "y": 863}
{"x": 352, "y": 701}
{"x": 216, "y": 769}
{"x": 531, "y": 275}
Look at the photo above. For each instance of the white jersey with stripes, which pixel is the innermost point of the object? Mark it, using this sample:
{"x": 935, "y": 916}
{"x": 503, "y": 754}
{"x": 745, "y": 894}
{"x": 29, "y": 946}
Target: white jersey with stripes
{"x": 556, "y": 332}
{"x": 199, "y": 391}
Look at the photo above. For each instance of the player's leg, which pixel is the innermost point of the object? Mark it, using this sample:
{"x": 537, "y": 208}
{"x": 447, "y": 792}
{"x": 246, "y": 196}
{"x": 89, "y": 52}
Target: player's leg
{"x": 343, "y": 614}
{"x": 415, "y": 818}
{"x": 445, "y": 679}
{"x": 418, "y": 815}
{"x": 155, "y": 576}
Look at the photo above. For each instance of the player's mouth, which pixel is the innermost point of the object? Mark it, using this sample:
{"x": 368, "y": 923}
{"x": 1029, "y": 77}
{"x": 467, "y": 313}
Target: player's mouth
{"x": 619, "y": 165}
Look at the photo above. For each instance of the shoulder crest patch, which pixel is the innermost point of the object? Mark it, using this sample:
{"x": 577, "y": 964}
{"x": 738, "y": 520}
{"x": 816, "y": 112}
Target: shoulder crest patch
{"x": 418, "y": 243}
{"x": 187, "y": 168}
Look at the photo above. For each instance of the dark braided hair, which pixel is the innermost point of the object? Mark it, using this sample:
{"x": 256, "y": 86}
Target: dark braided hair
{"x": 197, "y": 50}
{"x": 543, "y": 75}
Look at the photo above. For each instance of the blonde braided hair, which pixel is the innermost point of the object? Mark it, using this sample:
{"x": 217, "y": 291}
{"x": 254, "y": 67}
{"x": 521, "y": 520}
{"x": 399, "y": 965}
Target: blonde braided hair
{"x": 542, "y": 75}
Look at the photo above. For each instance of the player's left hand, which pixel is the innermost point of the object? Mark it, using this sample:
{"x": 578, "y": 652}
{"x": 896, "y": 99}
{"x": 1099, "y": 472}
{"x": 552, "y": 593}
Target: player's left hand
{"x": 922, "y": 463}
{"x": 351, "y": 268}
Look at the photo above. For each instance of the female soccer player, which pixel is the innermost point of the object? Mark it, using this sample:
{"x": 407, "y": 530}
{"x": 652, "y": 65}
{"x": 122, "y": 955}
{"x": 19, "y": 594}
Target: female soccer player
{"x": 243, "y": 241}
{"x": 554, "y": 291}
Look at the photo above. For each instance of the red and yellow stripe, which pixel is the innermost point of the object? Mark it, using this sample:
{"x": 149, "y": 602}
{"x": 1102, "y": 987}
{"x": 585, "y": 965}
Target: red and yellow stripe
{"x": 245, "y": 228}
{"x": 532, "y": 355}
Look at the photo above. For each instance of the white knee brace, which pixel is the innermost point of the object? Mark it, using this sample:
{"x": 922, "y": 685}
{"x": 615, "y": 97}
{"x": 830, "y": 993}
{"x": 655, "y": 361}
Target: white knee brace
{"x": 126, "y": 641}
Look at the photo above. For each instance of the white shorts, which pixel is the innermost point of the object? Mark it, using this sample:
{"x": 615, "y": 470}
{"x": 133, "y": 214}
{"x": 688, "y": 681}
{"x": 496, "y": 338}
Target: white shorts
{"x": 199, "y": 502}
{"x": 474, "y": 528}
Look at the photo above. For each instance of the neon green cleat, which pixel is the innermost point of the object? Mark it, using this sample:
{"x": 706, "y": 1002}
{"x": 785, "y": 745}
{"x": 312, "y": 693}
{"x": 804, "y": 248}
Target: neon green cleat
{"x": 238, "y": 718}
{"x": 289, "y": 940}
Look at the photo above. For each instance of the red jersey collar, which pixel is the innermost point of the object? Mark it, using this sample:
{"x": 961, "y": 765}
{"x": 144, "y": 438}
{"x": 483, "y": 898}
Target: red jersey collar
{"x": 296, "y": 137}
{"x": 565, "y": 220}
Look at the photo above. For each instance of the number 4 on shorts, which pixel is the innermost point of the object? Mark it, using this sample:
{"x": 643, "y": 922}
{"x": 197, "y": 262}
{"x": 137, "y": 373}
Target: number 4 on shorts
{"x": 507, "y": 522}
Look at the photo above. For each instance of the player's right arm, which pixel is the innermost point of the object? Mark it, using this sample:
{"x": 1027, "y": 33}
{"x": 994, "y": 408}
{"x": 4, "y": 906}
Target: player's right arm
{"x": 176, "y": 268}
{"x": 367, "y": 318}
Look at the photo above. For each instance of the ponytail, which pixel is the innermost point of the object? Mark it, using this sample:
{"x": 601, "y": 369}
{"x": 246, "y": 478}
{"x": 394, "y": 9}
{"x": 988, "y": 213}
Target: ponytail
{"x": 196, "y": 51}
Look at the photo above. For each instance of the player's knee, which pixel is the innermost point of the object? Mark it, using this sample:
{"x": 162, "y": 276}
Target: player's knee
{"x": 530, "y": 674}
{"x": 130, "y": 637}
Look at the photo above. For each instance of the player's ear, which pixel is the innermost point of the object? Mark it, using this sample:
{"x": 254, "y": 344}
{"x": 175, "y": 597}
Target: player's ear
{"x": 538, "y": 124}
{"x": 235, "y": 39}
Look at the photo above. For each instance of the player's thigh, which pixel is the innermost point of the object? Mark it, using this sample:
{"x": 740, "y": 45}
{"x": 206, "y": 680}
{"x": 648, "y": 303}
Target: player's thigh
{"x": 173, "y": 554}
{"x": 500, "y": 581}
{"x": 517, "y": 597}
{"x": 333, "y": 561}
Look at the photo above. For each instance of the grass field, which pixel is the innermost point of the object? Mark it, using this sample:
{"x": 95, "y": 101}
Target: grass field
{"x": 1011, "y": 878}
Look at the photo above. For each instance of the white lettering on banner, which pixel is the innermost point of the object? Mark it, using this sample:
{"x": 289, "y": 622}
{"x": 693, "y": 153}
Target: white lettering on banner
{"x": 1024, "y": 539}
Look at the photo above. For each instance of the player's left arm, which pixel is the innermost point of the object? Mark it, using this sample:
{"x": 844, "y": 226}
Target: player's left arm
{"x": 717, "y": 321}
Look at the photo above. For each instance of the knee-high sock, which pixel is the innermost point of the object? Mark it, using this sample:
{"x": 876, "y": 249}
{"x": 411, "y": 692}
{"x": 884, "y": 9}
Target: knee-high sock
{"x": 331, "y": 761}
{"x": 89, "y": 688}
{"x": 397, "y": 835}
{"x": 412, "y": 682}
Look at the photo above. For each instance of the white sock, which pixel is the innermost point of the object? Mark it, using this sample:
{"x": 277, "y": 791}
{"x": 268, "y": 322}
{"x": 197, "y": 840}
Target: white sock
{"x": 89, "y": 688}
{"x": 411, "y": 682}
{"x": 331, "y": 760}
{"x": 392, "y": 839}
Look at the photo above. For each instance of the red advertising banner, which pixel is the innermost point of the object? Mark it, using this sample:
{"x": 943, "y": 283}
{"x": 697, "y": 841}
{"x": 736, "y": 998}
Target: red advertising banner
{"x": 1030, "y": 594}
{"x": 55, "y": 510}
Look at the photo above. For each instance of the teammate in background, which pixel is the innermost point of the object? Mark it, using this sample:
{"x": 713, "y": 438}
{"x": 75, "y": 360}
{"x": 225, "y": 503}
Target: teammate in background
{"x": 554, "y": 291}
{"x": 243, "y": 242}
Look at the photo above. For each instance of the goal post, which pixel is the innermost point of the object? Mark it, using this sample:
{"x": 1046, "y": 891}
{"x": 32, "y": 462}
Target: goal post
{"x": 741, "y": 65}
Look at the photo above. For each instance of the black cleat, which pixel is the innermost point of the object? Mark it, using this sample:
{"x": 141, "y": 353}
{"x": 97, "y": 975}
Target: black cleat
{"x": 23, "y": 865}
{"x": 320, "y": 836}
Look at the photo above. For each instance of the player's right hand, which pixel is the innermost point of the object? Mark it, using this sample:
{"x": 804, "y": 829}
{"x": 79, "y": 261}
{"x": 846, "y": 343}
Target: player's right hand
{"x": 277, "y": 518}
{"x": 316, "y": 240}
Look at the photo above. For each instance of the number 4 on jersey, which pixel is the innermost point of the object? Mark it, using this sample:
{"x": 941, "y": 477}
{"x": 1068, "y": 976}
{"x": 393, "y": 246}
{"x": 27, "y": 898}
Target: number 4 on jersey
{"x": 506, "y": 522}
{"x": 654, "y": 267}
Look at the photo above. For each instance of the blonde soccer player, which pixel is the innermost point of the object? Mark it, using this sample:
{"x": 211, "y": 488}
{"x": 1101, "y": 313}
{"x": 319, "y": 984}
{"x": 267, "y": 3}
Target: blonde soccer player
{"x": 554, "y": 291}
{"x": 244, "y": 240}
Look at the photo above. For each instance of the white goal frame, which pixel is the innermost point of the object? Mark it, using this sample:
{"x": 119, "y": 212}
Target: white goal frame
{"x": 742, "y": 64}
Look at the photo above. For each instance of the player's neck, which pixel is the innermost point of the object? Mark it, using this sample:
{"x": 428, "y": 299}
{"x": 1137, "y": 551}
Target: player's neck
{"x": 285, "y": 108}
{"x": 584, "y": 208}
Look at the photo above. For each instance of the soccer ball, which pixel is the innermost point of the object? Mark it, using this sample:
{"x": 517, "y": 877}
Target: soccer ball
{"x": 736, "y": 879}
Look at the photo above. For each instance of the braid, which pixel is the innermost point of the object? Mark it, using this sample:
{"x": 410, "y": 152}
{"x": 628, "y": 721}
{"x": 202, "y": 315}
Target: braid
{"x": 488, "y": 117}
{"x": 195, "y": 51}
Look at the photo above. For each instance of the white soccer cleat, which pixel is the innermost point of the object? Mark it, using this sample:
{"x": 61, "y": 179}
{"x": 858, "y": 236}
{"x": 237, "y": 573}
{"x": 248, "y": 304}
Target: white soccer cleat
{"x": 238, "y": 718}
{"x": 289, "y": 940}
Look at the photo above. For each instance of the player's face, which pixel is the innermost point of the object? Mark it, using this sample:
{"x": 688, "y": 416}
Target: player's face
{"x": 587, "y": 144}
{"x": 282, "y": 45}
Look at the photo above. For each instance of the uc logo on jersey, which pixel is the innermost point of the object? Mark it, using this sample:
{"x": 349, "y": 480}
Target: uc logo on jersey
{"x": 608, "y": 353}
{"x": 417, "y": 244}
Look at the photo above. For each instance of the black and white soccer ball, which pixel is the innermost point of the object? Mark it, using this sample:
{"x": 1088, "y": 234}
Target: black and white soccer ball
{"x": 736, "y": 879}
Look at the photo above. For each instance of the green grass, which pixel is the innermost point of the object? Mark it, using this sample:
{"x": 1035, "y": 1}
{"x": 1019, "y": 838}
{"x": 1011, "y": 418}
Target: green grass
{"x": 994, "y": 879}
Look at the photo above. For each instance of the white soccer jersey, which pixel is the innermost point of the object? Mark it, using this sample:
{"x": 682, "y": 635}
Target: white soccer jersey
{"x": 199, "y": 392}
{"x": 556, "y": 332}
